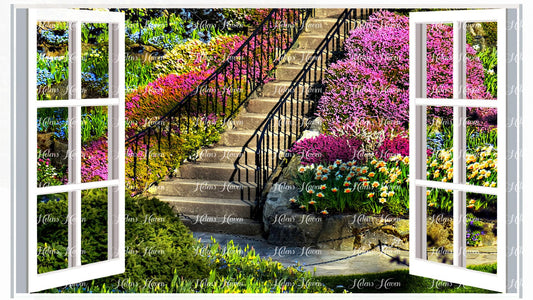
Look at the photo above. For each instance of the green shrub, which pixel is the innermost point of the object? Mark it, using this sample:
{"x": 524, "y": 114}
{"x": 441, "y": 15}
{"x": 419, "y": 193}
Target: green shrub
{"x": 157, "y": 243}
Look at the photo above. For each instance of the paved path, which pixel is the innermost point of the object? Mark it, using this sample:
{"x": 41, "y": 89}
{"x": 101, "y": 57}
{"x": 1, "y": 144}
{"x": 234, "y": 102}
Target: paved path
{"x": 332, "y": 262}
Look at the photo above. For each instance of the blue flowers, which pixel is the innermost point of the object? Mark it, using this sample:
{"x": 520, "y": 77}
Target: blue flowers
{"x": 53, "y": 38}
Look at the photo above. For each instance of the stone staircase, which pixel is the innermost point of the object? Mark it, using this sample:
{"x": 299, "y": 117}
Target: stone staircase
{"x": 202, "y": 192}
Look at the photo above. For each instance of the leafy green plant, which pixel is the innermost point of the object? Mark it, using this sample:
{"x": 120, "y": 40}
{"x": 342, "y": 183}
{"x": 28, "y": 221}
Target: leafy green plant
{"x": 489, "y": 59}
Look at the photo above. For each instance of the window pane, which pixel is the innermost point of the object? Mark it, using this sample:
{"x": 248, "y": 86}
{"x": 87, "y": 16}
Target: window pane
{"x": 440, "y": 225}
{"x": 94, "y": 225}
{"x": 52, "y": 60}
{"x": 482, "y": 59}
{"x": 94, "y": 143}
{"x": 52, "y": 232}
{"x": 52, "y": 146}
{"x": 481, "y": 233}
{"x": 439, "y": 143}
{"x": 439, "y": 65}
{"x": 94, "y": 60}
{"x": 482, "y": 153}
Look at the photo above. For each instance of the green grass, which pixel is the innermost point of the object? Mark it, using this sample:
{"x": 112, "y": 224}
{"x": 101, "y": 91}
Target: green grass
{"x": 399, "y": 282}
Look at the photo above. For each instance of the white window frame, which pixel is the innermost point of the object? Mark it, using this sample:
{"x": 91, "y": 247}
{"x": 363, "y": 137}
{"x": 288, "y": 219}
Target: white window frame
{"x": 507, "y": 107}
{"x": 28, "y": 280}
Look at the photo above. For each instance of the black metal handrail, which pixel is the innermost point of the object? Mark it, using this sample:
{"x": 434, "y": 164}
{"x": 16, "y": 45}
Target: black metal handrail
{"x": 291, "y": 115}
{"x": 220, "y": 96}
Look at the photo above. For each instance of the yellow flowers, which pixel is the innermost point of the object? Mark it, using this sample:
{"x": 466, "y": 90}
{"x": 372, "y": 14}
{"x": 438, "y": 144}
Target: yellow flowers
{"x": 292, "y": 200}
{"x": 382, "y": 200}
{"x": 324, "y": 212}
{"x": 323, "y": 187}
{"x": 347, "y": 191}
{"x": 428, "y": 193}
{"x": 406, "y": 160}
{"x": 371, "y": 174}
{"x": 383, "y": 194}
{"x": 334, "y": 190}
{"x": 320, "y": 195}
{"x": 312, "y": 202}
{"x": 346, "y": 183}
{"x": 301, "y": 169}
{"x": 311, "y": 191}
{"x": 370, "y": 195}
{"x": 375, "y": 184}
{"x": 391, "y": 193}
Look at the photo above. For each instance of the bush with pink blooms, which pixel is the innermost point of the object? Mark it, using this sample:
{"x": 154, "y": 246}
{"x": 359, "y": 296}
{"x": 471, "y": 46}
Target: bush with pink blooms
{"x": 327, "y": 149}
{"x": 373, "y": 79}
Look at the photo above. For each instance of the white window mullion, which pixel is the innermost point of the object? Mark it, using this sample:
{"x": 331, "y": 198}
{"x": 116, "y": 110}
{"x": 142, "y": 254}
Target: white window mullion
{"x": 417, "y": 140}
{"x": 74, "y": 151}
{"x": 115, "y": 145}
{"x": 459, "y": 144}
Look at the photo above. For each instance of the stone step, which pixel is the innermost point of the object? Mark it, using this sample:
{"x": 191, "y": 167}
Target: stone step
{"x": 328, "y": 12}
{"x": 299, "y": 57}
{"x": 238, "y": 138}
{"x": 310, "y": 41}
{"x": 210, "y": 206}
{"x": 251, "y": 121}
{"x": 319, "y": 26}
{"x": 275, "y": 89}
{"x": 224, "y": 154}
{"x": 227, "y": 224}
{"x": 288, "y": 72}
{"x": 215, "y": 171}
{"x": 206, "y": 188}
{"x": 265, "y": 105}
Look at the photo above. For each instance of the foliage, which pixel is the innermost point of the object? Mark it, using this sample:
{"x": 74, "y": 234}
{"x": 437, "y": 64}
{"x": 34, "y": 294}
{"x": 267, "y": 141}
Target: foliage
{"x": 474, "y": 230}
{"x": 157, "y": 243}
{"x": 47, "y": 174}
{"x": 93, "y": 123}
{"x": 195, "y": 55}
{"x": 163, "y": 160}
{"x": 94, "y": 160}
{"x": 347, "y": 187}
{"x": 481, "y": 170}
{"x": 326, "y": 149}
{"x": 163, "y": 257}
{"x": 489, "y": 59}
{"x": 400, "y": 281}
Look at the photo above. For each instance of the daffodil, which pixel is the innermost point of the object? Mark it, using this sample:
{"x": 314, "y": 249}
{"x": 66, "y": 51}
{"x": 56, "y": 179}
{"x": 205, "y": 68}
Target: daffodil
{"x": 382, "y": 200}
{"x": 370, "y": 195}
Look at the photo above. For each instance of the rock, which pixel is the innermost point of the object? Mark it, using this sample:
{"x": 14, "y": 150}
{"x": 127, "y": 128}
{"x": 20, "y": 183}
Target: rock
{"x": 402, "y": 228}
{"x": 438, "y": 235}
{"x": 338, "y": 233}
{"x": 277, "y": 201}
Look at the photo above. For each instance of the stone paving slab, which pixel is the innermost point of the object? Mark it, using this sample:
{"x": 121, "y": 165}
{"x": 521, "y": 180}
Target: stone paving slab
{"x": 332, "y": 262}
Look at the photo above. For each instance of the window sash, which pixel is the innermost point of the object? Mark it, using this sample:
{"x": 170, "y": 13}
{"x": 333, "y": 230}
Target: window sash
{"x": 418, "y": 143}
{"x": 115, "y": 262}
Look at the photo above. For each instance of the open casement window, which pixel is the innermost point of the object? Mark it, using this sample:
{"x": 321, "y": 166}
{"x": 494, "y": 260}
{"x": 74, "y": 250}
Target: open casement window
{"x": 84, "y": 57}
{"x": 466, "y": 178}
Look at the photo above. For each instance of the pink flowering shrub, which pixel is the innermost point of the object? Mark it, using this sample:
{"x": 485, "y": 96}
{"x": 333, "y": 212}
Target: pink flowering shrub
{"x": 394, "y": 146}
{"x": 327, "y": 149}
{"x": 94, "y": 161}
{"x": 374, "y": 78}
